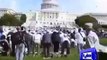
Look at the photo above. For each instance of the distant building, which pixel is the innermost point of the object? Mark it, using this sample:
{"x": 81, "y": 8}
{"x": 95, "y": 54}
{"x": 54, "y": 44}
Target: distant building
{"x": 50, "y": 16}
{"x": 101, "y": 17}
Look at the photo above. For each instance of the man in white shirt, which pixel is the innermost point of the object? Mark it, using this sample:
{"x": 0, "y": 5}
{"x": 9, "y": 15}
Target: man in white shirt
{"x": 37, "y": 40}
{"x": 79, "y": 39}
{"x": 92, "y": 37}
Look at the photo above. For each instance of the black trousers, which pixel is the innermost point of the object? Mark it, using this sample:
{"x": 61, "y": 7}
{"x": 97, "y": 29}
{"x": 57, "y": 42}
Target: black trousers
{"x": 56, "y": 46}
{"x": 46, "y": 49}
{"x": 65, "y": 47}
{"x": 13, "y": 49}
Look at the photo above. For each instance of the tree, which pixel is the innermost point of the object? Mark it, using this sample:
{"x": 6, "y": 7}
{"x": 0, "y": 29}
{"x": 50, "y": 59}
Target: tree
{"x": 23, "y": 18}
{"x": 80, "y": 21}
{"x": 104, "y": 26}
{"x": 9, "y": 20}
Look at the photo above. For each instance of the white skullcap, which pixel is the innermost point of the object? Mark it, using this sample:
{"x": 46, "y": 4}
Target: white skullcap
{"x": 90, "y": 25}
{"x": 55, "y": 31}
{"x": 49, "y": 31}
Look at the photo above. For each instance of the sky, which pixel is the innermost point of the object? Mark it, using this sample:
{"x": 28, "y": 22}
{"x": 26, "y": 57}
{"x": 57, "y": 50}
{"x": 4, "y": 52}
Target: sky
{"x": 75, "y": 6}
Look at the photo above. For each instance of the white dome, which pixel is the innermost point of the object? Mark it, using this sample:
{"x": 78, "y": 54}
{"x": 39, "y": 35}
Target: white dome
{"x": 49, "y": 5}
{"x": 50, "y": 1}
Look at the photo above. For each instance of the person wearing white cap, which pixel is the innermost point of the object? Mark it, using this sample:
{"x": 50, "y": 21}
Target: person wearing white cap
{"x": 89, "y": 25}
{"x": 92, "y": 37}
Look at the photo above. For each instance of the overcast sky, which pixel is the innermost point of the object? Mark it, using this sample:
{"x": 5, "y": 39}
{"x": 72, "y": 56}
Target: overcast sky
{"x": 76, "y": 6}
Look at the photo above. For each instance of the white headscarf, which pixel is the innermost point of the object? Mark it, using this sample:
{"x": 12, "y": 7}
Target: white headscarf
{"x": 90, "y": 25}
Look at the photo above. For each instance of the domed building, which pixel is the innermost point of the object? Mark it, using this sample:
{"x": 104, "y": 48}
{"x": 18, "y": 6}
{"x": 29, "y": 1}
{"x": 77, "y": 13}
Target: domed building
{"x": 50, "y": 15}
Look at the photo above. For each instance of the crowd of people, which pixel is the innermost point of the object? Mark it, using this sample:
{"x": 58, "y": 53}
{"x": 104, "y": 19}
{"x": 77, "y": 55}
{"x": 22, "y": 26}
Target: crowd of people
{"x": 47, "y": 42}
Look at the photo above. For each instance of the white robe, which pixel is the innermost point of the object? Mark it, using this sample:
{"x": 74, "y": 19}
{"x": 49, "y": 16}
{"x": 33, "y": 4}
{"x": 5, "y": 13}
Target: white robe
{"x": 94, "y": 42}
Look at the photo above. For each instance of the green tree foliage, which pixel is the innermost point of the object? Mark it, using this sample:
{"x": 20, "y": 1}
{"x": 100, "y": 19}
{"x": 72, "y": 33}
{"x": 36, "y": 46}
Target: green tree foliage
{"x": 23, "y": 18}
{"x": 104, "y": 26}
{"x": 86, "y": 19}
{"x": 9, "y": 20}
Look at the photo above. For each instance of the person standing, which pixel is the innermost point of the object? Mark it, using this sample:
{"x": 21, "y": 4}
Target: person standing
{"x": 11, "y": 38}
{"x": 56, "y": 41}
{"x": 19, "y": 44}
{"x": 46, "y": 44}
{"x": 4, "y": 43}
{"x": 79, "y": 36}
{"x": 37, "y": 37}
{"x": 29, "y": 42}
{"x": 92, "y": 37}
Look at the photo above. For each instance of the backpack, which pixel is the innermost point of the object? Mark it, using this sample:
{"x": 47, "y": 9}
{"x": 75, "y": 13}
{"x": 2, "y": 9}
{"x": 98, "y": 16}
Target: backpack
{"x": 18, "y": 38}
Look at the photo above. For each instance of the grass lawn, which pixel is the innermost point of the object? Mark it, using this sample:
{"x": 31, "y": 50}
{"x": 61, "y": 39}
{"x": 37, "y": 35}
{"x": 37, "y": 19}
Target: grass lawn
{"x": 103, "y": 41}
{"x": 73, "y": 56}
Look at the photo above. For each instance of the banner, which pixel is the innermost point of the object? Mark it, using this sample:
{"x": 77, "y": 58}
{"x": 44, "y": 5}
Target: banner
{"x": 89, "y": 54}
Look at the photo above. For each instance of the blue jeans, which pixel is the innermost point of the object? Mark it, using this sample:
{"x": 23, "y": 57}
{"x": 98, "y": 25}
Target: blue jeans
{"x": 20, "y": 48}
